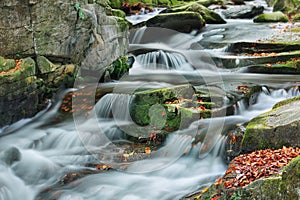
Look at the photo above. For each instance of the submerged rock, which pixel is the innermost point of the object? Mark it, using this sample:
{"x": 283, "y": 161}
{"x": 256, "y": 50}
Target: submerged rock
{"x": 243, "y": 12}
{"x": 271, "y": 17}
{"x": 181, "y": 21}
{"x": 274, "y": 129}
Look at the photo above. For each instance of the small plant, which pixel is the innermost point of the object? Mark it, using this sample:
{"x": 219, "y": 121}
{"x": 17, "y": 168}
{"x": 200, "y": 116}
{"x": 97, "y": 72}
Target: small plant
{"x": 79, "y": 11}
{"x": 236, "y": 195}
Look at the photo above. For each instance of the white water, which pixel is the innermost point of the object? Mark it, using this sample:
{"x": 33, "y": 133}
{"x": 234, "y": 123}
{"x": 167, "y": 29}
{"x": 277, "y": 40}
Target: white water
{"x": 162, "y": 60}
{"x": 46, "y": 153}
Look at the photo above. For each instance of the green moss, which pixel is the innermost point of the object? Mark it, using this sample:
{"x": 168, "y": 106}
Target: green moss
{"x": 123, "y": 24}
{"x": 290, "y": 180}
{"x": 285, "y": 102}
{"x": 6, "y": 64}
{"x": 119, "y": 68}
{"x": 271, "y": 17}
{"x": 295, "y": 30}
{"x": 115, "y": 3}
{"x": 208, "y": 15}
{"x": 296, "y": 18}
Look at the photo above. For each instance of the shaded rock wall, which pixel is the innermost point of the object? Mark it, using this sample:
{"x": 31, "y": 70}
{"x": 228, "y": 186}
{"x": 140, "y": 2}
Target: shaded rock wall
{"x": 58, "y": 39}
{"x": 54, "y": 29}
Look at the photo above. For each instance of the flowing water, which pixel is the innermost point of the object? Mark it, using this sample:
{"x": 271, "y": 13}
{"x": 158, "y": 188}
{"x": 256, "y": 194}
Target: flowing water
{"x": 36, "y": 153}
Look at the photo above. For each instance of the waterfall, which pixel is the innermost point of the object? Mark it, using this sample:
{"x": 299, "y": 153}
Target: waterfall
{"x": 114, "y": 106}
{"x": 163, "y": 60}
{"x": 264, "y": 101}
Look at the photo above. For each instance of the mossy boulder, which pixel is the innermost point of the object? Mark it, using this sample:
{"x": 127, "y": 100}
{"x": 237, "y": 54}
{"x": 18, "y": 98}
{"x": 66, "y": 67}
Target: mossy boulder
{"x": 119, "y": 3}
{"x": 162, "y": 108}
{"x": 208, "y": 15}
{"x": 181, "y": 21}
{"x": 274, "y": 129}
{"x": 287, "y": 6}
{"x": 271, "y": 17}
{"x": 290, "y": 67}
{"x": 44, "y": 65}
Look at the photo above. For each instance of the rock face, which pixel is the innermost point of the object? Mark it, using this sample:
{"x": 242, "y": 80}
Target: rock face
{"x": 55, "y": 29}
{"x": 181, "y": 21}
{"x": 272, "y": 17}
{"x": 49, "y": 41}
{"x": 18, "y": 91}
{"x": 243, "y": 12}
{"x": 274, "y": 129}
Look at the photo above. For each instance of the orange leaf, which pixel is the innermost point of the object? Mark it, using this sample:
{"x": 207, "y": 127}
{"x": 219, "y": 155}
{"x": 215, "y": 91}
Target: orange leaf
{"x": 204, "y": 190}
{"x": 147, "y": 150}
{"x": 202, "y": 108}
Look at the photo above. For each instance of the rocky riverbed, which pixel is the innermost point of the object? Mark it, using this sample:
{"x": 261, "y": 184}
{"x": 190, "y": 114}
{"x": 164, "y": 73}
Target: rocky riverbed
{"x": 149, "y": 99}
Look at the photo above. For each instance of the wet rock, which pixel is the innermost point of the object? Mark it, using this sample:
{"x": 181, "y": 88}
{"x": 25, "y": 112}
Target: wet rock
{"x": 181, "y": 21}
{"x": 262, "y": 47}
{"x": 10, "y": 156}
{"x": 268, "y": 59}
{"x": 19, "y": 92}
{"x": 274, "y": 129}
{"x": 238, "y": 2}
{"x": 208, "y": 15}
{"x": 290, "y": 67}
{"x": 271, "y": 17}
{"x": 207, "y": 3}
{"x": 243, "y": 12}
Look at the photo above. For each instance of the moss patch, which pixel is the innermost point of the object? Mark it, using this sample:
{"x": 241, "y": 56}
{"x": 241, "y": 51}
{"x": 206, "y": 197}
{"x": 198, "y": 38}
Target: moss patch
{"x": 271, "y": 17}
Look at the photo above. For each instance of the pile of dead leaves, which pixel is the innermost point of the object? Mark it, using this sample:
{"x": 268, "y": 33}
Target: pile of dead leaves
{"x": 247, "y": 168}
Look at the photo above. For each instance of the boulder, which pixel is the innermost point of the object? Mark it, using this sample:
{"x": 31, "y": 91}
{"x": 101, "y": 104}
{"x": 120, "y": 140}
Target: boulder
{"x": 243, "y": 12}
{"x": 271, "y": 17}
{"x": 65, "y": 31}
{"x": 274, "y": 129}
{"x": 181, "y": 21}
{"x": 207, "y": 3}
{"x": 287, "y": 6}
{"x": 290, "y": 67}
{"x": 208, "y": 15}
